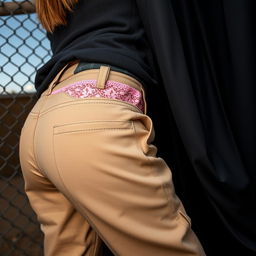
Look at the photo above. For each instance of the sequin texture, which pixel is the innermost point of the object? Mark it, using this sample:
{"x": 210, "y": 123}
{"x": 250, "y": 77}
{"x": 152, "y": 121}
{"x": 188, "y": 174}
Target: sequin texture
{"x": 113, "y": 90}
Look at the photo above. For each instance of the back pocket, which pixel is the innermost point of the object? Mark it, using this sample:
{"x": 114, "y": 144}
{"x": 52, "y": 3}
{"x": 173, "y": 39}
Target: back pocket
{"x": 91, "y": 126}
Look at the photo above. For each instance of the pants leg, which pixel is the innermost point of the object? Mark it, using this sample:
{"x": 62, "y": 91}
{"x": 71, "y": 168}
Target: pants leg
{"x": 98, "y": 153}
{"x": 66, "y": 230}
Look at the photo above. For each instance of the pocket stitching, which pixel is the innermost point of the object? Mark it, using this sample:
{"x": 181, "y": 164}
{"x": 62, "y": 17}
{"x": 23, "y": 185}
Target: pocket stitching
{"x": 101, "y": 98}
{"x": 185, "y": 217}
{"x": 78, "y": 126}
{"x": 91, "y": 101}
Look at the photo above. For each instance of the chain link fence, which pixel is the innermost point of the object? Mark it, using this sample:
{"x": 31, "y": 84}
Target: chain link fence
{"x": 23, "y": 49}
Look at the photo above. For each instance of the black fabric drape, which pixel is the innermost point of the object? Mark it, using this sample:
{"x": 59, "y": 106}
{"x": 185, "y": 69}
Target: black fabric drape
{"x": 203, "y": 112}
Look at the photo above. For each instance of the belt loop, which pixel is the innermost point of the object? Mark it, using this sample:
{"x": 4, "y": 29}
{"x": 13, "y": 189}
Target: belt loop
{"x": 58, "y": 77}
{"x": 144, "y": 100}
{"x": 55, "y": 80}
{"x": 102, "y": 76}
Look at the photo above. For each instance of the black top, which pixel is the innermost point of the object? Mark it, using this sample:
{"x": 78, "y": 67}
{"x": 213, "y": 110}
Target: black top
{"x": 104, "y": 31}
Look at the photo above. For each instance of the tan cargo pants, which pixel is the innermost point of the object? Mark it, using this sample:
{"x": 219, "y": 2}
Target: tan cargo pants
{"x": 91, "y": 175}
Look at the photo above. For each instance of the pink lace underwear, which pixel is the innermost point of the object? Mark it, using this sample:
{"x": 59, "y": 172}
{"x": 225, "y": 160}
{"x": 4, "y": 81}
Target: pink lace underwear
{"x": 113, "y": 90}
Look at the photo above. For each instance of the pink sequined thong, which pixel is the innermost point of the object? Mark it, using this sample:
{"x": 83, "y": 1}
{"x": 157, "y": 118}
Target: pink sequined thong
{"x": 113, "y": 90}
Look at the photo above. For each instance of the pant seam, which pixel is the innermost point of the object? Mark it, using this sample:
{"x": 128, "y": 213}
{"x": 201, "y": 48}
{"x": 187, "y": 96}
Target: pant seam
{"x": 153, "y": 170}
{"x": 96, "y": 243}
{"x": 55, "y": 163}
{"x": 67, "y": 192}
{"x": 34, "y": 135}
{"x": 131, "y": 107}
{"x": 93, "y": 251}
{"x": 77, "y": 205}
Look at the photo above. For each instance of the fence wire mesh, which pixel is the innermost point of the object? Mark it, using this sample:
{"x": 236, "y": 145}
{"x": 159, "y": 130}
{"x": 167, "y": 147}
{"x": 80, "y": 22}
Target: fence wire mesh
{"x": 23, "y": 49}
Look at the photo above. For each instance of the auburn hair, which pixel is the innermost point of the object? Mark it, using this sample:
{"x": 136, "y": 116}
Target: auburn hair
{"x": 52, "y": 13}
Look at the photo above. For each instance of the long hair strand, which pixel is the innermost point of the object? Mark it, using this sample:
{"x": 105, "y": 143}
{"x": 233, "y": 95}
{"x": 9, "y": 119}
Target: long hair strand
{"x": 52, "y": 13}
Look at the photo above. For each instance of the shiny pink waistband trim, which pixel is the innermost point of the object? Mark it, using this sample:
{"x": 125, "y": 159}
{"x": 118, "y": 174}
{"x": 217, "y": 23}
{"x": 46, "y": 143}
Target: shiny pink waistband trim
{"x": 113, "y": 90}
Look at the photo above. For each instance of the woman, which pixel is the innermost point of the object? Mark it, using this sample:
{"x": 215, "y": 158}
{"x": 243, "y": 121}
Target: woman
{"x": 91, "y": 173}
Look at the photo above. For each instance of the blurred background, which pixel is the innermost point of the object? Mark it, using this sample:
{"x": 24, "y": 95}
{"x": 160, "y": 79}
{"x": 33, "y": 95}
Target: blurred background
{"x": 23, "y": 49}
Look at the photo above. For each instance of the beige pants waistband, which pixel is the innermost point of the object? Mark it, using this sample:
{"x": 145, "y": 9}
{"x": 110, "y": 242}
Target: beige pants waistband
{"x": 66, "y": 76}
